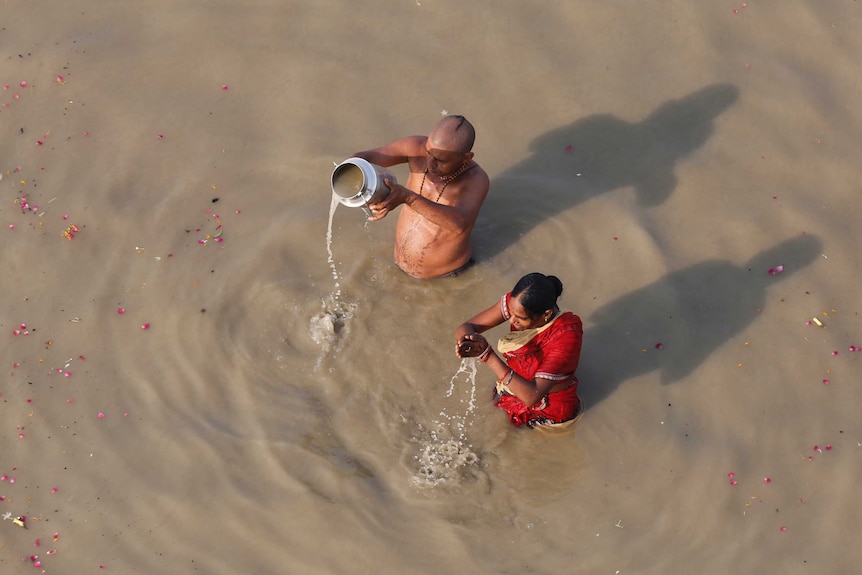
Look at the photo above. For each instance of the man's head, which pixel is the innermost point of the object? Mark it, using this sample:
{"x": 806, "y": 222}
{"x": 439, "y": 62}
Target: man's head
{"x": 449, "y": 145}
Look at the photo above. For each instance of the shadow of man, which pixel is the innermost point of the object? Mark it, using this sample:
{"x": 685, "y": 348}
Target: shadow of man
{"x": 595, "y": 155}
{"x": 691, "y": 312}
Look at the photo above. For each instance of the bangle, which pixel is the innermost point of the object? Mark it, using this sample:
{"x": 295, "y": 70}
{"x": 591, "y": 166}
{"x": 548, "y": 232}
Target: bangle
{"x": 508, "y": 377}
{"x": 483, "y": 357}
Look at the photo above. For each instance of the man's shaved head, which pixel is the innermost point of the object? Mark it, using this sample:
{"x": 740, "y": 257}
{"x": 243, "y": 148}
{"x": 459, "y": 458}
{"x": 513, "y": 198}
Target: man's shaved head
{"x": 453, "y": 133}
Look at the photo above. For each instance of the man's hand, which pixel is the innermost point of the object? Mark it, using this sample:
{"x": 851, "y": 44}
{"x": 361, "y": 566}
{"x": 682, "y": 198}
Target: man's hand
{"x": 398, "y": 195}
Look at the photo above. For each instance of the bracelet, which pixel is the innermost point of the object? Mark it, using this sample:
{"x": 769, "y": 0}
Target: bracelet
{"x": 508, "y": 378}
{"x": 483, "y": 357}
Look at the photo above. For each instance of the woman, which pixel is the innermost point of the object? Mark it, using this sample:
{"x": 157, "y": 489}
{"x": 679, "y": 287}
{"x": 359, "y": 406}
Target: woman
{"x": 536, "y": 382}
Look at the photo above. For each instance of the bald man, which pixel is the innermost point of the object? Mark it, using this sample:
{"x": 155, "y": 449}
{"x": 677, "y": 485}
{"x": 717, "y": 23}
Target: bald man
{"x": 441, "y": 200}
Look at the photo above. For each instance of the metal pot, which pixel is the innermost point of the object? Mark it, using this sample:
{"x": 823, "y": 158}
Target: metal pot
{"x": 357, "y": 182}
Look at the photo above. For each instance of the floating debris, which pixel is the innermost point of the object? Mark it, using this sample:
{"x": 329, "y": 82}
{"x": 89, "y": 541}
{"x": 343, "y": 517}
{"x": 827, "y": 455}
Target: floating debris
{"x": 71, "y": 231}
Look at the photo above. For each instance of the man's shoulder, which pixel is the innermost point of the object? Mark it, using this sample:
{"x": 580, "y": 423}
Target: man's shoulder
{"x": 476, "y": 177}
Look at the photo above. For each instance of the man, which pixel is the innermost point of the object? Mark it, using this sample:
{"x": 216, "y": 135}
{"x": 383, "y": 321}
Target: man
{"x": 441, "y": 200}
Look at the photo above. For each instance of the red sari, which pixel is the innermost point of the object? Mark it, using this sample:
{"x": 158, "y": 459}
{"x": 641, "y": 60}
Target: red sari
{"x": 553, "y": 353}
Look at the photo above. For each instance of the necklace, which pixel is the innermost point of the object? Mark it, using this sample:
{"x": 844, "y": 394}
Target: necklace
{"x": 445, "y": 179}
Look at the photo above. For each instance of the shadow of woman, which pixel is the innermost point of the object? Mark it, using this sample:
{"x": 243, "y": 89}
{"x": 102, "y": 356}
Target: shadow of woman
{"x": 593, "y": 156}
{"x": 692, "y": 312}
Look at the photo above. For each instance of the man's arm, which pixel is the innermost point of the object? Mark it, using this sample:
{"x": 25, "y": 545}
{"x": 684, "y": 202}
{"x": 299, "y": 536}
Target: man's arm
{"x": 457, "y": 218}
{"x": 398, "y": 152}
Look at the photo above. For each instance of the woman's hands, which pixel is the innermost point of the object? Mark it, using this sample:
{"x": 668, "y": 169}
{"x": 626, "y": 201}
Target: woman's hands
{"x": 471, "y": 345}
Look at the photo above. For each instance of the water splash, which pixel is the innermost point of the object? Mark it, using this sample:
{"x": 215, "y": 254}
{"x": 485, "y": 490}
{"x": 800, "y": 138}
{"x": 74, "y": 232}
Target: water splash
{"x": 445, "y": 453}
{"x": 330, "y": 326}
{"x": 331, "y": 260}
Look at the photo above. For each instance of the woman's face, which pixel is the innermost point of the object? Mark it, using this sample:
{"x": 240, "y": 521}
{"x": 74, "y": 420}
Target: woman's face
{"x": 520, "y": 318}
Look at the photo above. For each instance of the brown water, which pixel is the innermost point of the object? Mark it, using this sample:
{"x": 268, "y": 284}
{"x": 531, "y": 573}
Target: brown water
{"x": 348, "y": 180}
{"x": 294, "y": 404}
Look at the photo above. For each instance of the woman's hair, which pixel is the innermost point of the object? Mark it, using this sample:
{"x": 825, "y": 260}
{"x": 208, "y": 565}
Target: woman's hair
{"x": 538, "y": 292}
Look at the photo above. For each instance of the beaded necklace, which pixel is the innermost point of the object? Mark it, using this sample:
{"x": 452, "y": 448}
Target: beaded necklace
{"x": 445, "y": 179}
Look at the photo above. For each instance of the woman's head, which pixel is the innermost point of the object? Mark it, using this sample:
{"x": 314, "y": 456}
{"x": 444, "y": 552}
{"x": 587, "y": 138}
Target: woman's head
{"x": 534, "y": 300}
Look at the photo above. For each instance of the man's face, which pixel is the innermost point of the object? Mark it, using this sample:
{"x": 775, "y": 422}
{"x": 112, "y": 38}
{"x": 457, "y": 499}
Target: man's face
{"x": 442, "y": 162}
{"x": 443, "y": 157}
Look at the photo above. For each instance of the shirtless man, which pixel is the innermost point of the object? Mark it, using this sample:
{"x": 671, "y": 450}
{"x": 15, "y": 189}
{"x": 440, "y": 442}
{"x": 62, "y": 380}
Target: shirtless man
{"x": 441, "y": 200}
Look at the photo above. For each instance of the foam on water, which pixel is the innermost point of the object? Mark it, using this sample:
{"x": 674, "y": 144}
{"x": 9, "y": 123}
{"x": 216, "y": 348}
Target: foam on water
{"x": 445, "y": 452}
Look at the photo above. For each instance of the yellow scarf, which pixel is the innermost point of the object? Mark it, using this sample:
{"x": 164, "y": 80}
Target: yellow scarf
{"x": 518, "y": 339}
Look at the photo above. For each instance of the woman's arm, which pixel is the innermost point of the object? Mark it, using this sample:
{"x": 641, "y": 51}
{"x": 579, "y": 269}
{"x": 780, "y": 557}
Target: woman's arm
{"x": 530, "y": 392}
{"x": 481, "y": 322}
